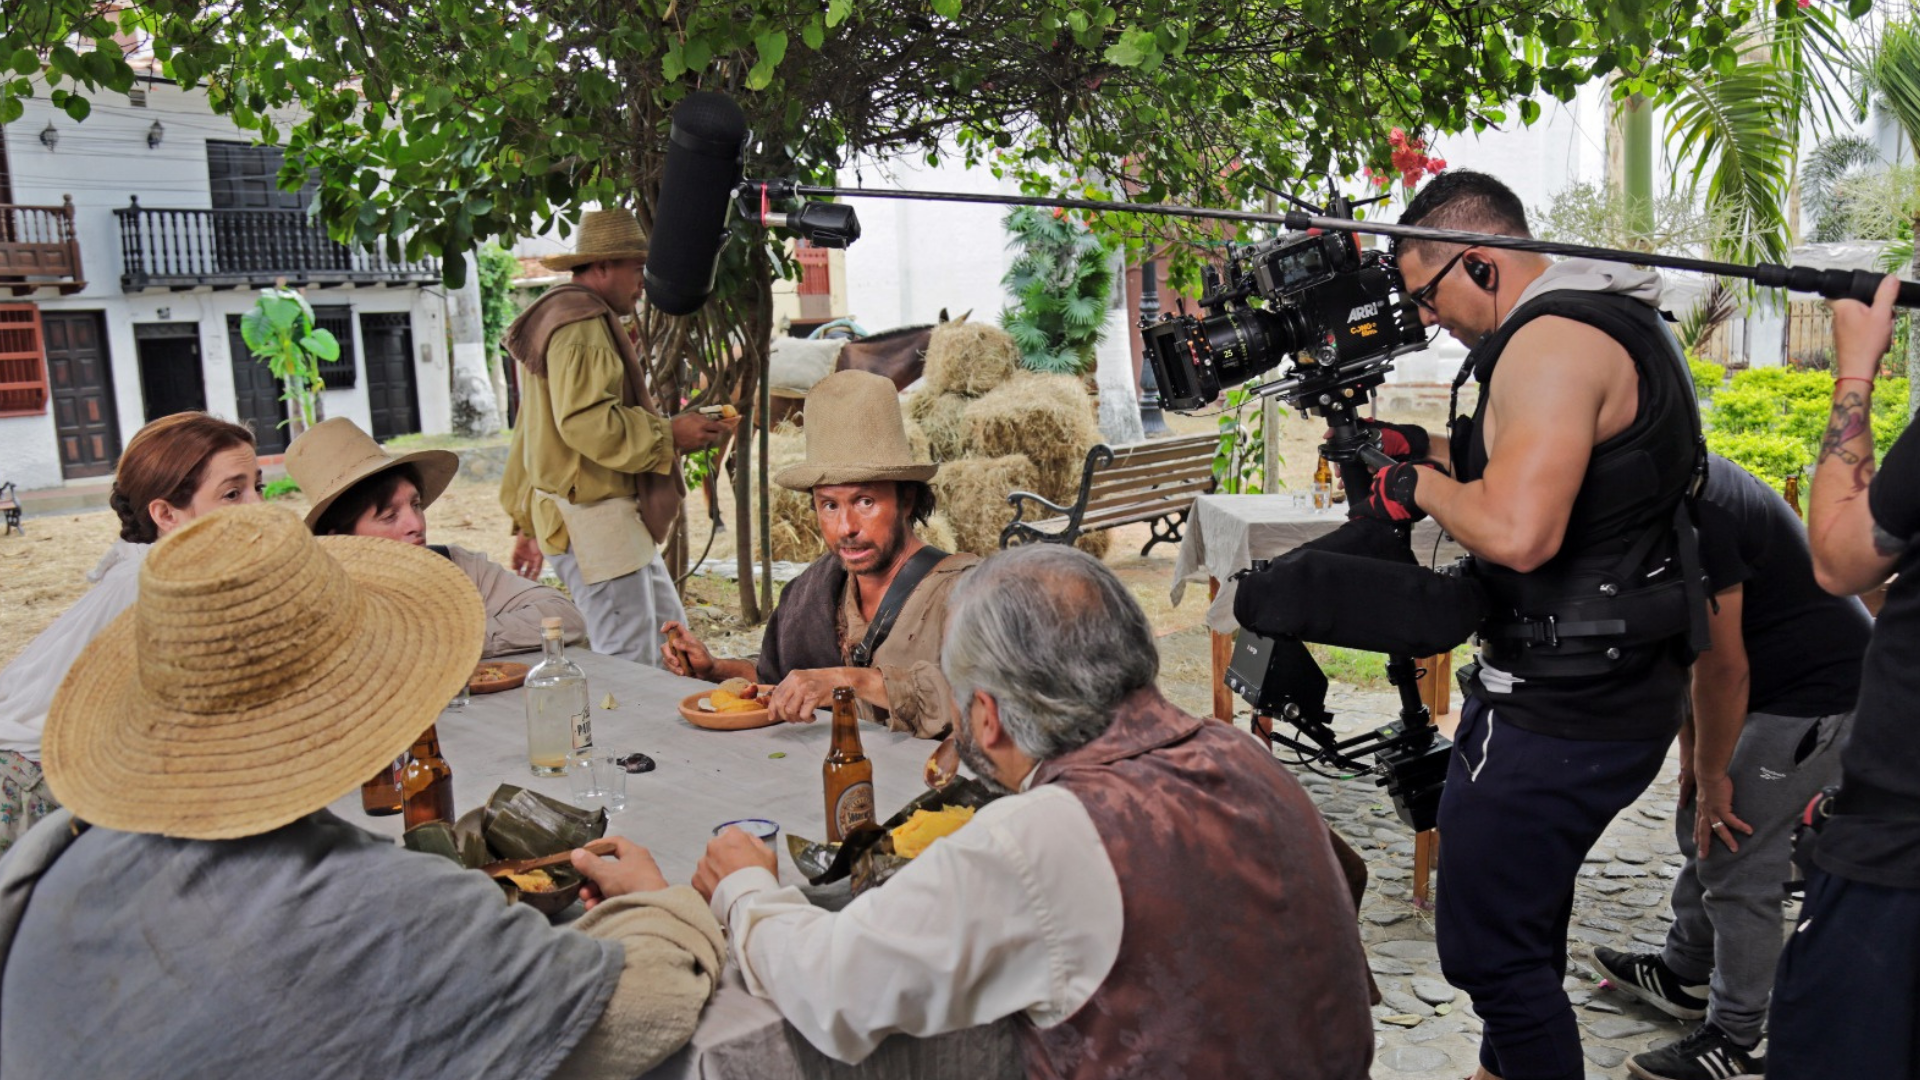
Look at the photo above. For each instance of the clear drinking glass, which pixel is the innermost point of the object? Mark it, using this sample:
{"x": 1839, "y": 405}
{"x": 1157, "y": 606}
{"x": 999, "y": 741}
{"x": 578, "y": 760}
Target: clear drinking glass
{"x": 599, "y": 779}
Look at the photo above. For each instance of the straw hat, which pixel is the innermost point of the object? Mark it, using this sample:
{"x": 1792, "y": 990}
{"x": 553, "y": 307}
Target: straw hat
{"x": 604, "y": 235}
{"x": 333, "y": 455}
{"x": 263, "y": 673}
{"x": 854, "y": 435}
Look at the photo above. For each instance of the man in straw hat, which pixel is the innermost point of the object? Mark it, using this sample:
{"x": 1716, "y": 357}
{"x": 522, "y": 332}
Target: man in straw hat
{"x": 358, "y": 489}
{"x": 830, "y": 628}
{"x": 196, "y": 910}
{"x": 593, "y": 474}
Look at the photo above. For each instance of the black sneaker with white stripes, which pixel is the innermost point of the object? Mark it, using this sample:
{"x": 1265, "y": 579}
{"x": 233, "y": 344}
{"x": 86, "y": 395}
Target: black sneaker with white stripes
{"x": 1647, "y": 977}
{"x": 1707, "y": 1054}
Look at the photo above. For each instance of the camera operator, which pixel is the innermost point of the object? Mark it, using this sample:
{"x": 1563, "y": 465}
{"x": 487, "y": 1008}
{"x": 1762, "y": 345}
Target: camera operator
{"x": 1568, "y": 491}
{"x": 1849, "y": 982}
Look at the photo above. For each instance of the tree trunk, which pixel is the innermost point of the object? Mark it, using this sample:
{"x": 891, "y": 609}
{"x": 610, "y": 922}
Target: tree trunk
{"x": 1113, "y": 367}
{"x": 755, "y": 313}
{"x": 1636, "y": 130}
{"x": 475, "y": 411}
{"x": 1913, "y": 333}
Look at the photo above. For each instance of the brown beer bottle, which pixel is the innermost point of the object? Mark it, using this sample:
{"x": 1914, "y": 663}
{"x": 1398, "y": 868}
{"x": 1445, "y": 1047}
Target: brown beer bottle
{"x": 426, "y": 784}
{"x": 380, "y": 795}
{"x": 1322, "y": 485}
{"x": 847, "y": 772}
{"x": 1793, "y": 494}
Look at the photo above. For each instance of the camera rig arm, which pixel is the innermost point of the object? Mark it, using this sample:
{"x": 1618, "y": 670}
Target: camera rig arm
{"x": 1832, "y": 284}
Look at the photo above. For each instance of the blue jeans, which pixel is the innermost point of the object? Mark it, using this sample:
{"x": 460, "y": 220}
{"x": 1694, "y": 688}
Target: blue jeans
{"x": 1519, "y": 813}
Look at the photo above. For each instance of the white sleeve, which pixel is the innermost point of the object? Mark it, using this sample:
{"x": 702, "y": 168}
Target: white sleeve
{"x": 1017, "y": 912}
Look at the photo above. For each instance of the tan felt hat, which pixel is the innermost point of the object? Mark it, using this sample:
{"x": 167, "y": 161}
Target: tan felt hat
{"x": 854, "y": 435}
{"x": 333, "y": 455}
{"x": 263, "y": 673}
{"x": 604, "y": 235}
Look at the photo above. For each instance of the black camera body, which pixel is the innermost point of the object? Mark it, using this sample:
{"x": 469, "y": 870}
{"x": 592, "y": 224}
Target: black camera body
{"x": 1338, "y": 311}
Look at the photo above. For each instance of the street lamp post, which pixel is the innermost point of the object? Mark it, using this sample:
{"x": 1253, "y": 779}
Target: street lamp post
{"x": 1150, "y": 418}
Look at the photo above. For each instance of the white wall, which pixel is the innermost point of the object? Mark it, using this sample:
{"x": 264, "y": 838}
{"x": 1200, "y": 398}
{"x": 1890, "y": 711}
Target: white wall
{"x": 103, "y": 162}
{"x": 914, "y": 258}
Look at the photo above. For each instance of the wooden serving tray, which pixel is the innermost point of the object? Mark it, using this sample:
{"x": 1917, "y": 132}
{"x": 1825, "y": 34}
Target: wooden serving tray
{"x": 509, "y": 676}
{"x": 722, "y": 721}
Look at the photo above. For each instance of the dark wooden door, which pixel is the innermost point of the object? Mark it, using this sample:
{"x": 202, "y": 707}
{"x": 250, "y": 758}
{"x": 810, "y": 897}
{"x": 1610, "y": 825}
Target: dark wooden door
{"x": 256, "y": 394}
{"x": 392, "y": 398}
{"x": 170, "y": 377}
{"x": 80, "y": 378}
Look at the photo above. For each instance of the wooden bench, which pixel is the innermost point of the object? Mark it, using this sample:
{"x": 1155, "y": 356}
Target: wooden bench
{"x": 1151, "y": 481}
{"x": 10, "y": 506}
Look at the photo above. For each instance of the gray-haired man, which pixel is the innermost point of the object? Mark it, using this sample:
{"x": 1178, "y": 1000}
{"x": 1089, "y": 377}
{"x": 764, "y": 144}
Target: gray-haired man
{"x": 1146, "y": 873}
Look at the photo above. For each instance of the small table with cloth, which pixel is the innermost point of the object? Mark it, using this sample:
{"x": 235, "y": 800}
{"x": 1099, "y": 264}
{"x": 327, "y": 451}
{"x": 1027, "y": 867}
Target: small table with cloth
{"x": 705, "y": 778}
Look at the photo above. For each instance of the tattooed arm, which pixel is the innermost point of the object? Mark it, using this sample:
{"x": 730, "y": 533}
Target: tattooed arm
{"x": 1850, "y": 553}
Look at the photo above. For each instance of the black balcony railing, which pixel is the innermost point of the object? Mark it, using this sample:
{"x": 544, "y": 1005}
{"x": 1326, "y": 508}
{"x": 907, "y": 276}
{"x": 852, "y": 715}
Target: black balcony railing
{"x": 168, "y": 248}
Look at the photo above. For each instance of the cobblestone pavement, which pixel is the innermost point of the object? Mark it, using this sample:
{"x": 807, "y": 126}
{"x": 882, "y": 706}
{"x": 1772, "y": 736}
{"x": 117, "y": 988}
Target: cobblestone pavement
{"x": 1425, "y": 1029}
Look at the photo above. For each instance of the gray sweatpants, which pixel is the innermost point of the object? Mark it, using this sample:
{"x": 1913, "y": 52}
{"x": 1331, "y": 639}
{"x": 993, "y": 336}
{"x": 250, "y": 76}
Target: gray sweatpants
{"x": 1727, "y": 907}
{"x": 624, "y": 615}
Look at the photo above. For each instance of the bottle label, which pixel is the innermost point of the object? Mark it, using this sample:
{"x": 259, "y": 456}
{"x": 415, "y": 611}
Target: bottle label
{"x": 853, "y": 808}
{"x": 583, "y": 730}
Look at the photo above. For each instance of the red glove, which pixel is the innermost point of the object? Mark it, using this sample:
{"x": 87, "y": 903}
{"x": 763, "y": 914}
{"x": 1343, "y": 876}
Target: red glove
{"x": 1390, "y": 498}
{"x": 1401, "y": 442}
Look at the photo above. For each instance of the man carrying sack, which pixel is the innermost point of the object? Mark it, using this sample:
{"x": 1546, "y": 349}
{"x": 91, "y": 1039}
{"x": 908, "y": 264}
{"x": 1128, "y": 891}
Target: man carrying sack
{"x": 870, "y": 612}
{"x": 593, "y": 474}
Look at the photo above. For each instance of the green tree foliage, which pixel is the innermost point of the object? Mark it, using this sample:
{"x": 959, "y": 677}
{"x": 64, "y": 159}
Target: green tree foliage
{"x": 498, "y": 268}
{"x": 1060, "y": 282}
{"x": 279, "y": 331}
{"x": 1770, "y": 420}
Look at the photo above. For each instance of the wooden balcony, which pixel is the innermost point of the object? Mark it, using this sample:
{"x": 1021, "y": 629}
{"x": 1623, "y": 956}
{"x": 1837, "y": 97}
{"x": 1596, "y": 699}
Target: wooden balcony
{"x": 231, "y": 249}
{"x": 38, "y": 249}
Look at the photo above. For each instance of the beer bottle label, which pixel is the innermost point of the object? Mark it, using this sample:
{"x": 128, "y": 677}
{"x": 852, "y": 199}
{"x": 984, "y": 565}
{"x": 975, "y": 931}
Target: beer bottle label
{"x": 583, "y": 729}
{"x": 853, "y": 808}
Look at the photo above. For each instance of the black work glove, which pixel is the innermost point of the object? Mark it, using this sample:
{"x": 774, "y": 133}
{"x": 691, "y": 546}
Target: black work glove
{"x": 1390, "y": 498}
{"x": 1401, "y": 442}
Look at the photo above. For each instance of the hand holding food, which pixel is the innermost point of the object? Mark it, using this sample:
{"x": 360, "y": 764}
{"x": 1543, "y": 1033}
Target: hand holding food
{"x": 630, "y": 869}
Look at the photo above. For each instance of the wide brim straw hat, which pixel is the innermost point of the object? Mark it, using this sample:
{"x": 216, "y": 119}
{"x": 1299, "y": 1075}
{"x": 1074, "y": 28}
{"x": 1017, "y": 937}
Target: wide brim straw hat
{"x": 333, "y": 455}
{"x": 855, "y": 435}
{"x": 604, "y": 235}
{"x": 263, "y": 673}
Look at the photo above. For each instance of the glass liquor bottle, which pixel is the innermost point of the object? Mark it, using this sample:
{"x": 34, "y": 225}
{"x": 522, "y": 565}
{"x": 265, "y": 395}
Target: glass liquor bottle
{"x": 557, "y": 716}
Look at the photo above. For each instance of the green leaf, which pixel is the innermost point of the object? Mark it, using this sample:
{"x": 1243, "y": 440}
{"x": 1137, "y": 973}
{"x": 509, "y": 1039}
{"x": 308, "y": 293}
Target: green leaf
{"x": 838, "y": 11}
{"x": 1387, "y": 42}
{"x": 323, "y": 344}
{"x": 814, "y": 33}
{"x": 947, "y": 9}
{"x": 1136, "y": 48}
{"x": 771, "y": 48}
{"x": 26, "y": 62}
{"x": 77, "y": 107}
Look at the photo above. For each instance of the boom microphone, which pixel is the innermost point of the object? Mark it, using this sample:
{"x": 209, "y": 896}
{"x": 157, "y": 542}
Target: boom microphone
{"x": 690, "y": 221}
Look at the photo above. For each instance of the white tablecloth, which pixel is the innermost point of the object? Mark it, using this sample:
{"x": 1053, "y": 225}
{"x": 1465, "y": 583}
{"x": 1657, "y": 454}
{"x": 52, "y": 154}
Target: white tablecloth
{"x": 1225, "y": 533}
{"x": 706, "y": 778}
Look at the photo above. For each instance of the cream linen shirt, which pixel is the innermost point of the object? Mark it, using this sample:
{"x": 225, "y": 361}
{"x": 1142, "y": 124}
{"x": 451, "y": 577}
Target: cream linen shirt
{"x": 1018, "y": 912}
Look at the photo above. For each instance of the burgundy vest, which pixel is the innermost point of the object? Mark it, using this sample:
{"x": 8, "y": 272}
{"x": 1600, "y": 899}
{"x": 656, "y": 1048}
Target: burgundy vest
{"x": 1240, "y": 954}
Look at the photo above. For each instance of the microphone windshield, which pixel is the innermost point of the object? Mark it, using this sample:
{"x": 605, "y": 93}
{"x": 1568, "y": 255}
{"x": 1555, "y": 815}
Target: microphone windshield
{"x": 690, "y": 220}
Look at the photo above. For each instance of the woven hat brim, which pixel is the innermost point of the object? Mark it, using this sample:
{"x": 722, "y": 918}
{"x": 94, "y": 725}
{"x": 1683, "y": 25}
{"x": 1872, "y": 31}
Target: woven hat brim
{"x": 804, "y": 477}
{"x": 437, "y": 469}
{"x": 572, "y": 259}
{"x": 121, "y": 759}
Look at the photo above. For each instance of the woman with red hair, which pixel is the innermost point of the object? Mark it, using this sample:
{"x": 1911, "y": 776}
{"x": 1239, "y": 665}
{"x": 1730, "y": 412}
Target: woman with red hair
{"x": 172, "y": 471}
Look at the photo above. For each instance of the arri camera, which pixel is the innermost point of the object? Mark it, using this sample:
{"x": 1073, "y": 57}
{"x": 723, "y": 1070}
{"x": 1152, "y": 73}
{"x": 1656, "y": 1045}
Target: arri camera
{"x": 1339, "y": 312}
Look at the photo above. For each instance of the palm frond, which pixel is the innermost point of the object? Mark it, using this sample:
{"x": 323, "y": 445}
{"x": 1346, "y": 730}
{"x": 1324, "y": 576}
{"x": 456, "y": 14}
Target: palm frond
{"x": 1820, "y": 181}
{"x": 1731, "y": 127}
{"x": 1716, "y": 306}
{"x": 1892, "y": 74}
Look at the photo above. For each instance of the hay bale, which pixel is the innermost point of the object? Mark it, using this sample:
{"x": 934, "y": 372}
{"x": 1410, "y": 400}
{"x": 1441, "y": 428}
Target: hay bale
{"x": 790, "y": 518}
{"x": 941, "y": 419}
{"x": 917, "y": 442}
{"x": 938, "y": 531}
{"x": 973, "y": 496}
{"x": 969, "y": 358}
{"x": 1049, "y": 418}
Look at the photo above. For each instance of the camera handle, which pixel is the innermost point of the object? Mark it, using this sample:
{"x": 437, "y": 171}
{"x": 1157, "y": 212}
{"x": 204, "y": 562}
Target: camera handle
{"x": 1352, "y": 448}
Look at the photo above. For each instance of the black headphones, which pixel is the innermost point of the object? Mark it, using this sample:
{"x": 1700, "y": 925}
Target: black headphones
{"x": 1481, "y": 272}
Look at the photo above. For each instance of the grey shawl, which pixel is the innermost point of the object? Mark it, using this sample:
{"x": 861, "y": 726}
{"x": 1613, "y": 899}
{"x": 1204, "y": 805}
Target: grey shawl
{"x": 316, "y": 950}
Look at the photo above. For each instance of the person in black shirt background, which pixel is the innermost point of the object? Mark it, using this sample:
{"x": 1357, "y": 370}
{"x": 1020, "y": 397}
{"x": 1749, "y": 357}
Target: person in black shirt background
{"x": 1848, "y": 987}
{"x": 1772, "y": 703}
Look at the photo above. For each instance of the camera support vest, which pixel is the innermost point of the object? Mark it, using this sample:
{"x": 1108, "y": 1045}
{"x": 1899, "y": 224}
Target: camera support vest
{"x": 1628, "y": 573}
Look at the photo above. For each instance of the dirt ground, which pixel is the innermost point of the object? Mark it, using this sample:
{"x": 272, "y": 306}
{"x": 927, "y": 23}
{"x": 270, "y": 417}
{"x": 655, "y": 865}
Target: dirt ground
{"x": 43, "y": 572}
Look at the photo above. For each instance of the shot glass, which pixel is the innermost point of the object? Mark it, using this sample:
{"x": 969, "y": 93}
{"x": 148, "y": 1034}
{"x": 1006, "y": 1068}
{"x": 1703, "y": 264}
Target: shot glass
{"x": 460, "y": 699}
{"x": 599, "y": 780}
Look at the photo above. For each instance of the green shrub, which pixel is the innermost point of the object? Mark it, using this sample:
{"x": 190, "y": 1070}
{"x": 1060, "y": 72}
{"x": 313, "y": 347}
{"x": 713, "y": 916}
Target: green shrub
{"x": 1768, "y": 456}
{"x": 281, "y": 488}
{"x": 1771, "y": 420}
{"x": 1708, "y": 376}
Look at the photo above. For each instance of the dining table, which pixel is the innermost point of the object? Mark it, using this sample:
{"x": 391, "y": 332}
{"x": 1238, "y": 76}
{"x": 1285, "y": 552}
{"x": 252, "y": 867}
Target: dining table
{"x": 702, "y": 779}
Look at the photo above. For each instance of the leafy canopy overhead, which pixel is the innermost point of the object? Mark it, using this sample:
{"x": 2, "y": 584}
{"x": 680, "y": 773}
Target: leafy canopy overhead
{"x": 433, "y": 123}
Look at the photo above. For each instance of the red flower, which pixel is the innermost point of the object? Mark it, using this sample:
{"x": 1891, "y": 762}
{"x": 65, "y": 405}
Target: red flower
{"x": 1434, "y": 165}
{"x": 1397, "y": 137}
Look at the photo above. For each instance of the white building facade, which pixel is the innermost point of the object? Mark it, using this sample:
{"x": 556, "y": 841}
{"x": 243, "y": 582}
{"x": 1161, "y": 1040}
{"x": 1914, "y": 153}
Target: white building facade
{"x": 131, "y": 244}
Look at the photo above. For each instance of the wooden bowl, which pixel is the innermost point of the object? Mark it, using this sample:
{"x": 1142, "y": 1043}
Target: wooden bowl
{"x": 493, "y": 676}
{"x": 722, "y": 721}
